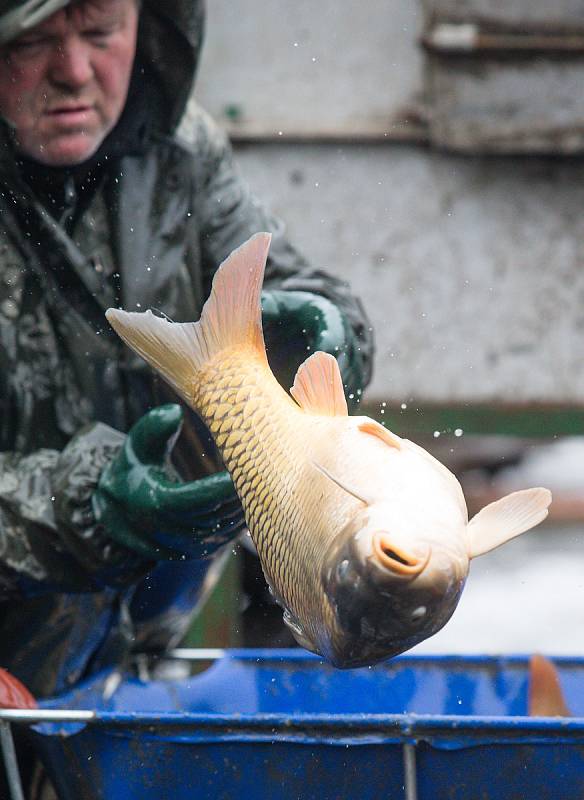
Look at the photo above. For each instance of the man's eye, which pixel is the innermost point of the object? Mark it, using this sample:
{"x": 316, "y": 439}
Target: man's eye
{"x": 26, "y": 45}
{"x": 98, "y": 35}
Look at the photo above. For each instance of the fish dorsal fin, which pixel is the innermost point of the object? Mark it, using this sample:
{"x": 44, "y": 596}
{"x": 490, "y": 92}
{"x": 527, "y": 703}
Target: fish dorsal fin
{"x": 374, "y": 428}
{"x": 318, "y": 386}
{"x": 344, "y": 485}
{"x": 545, "y": 696}
{"x": 506, "y": 518}
{"x": 231, "y": 318}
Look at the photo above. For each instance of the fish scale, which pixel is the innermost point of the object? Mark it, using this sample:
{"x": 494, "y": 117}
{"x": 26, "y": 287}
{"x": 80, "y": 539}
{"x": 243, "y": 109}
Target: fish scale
{"x": 264, "y": 473}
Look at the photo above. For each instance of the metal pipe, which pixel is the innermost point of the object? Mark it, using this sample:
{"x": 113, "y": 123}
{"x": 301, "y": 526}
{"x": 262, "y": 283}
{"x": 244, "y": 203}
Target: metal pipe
{"x": 468, "y": 38}
{"x": 40, "y": 715}
{"x": 10, "y": 762}
{"x": 410, "y": 778}
{"x": 195, "y": 653}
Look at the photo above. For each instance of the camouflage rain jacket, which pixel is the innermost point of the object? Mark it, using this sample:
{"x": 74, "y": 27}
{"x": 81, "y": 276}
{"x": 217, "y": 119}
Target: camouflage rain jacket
{"x": 144, "y": 224}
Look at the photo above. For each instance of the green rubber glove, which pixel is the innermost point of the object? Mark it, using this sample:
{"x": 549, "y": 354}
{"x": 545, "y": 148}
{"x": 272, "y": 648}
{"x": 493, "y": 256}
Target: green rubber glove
{"x": 144, "y": 509}
{"x": 297, "y": 324}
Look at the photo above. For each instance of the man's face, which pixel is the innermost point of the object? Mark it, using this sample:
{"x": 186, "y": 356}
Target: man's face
{"x": 63, "y": 84}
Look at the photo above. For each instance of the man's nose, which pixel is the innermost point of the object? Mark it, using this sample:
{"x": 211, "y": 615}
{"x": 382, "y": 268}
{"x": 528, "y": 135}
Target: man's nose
{"x": 71, "y": 64}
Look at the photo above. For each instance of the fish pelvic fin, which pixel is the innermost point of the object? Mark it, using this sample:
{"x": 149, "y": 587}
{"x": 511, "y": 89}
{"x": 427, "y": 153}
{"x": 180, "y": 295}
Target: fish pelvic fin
{"x": 506, "y": 518}
{"x": 231, "y": 318}
{"x": 318, "y": 386}
{"x": 545, "y": 695}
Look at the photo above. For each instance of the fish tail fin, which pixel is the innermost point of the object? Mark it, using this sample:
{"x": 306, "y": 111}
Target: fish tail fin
{"x": 231, "y": 318}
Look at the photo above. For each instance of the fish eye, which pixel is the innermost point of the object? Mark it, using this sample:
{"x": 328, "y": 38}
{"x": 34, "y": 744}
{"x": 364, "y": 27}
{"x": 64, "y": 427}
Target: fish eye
{"x": 342, "y": 569}
{"x": 419, "y": 612}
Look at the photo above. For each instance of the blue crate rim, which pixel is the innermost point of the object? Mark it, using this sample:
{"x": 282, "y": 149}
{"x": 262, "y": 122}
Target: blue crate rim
{"x": 447, "y": 732}
{"x": 439, "y": 729}
{"x": 270, "y": 655}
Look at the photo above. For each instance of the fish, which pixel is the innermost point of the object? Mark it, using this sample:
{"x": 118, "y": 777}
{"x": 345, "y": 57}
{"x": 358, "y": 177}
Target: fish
{"x": 363, "y": 536}
{"x": 545, "y": 695}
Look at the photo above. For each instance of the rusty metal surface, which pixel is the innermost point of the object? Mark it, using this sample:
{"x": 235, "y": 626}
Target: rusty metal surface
{"x": 559, "y": 14}
{"x": 468, "y": 38}
{"x": 529, "y": 105}
{"x": 516, "y": 86}
{"x": 470, "y": 269}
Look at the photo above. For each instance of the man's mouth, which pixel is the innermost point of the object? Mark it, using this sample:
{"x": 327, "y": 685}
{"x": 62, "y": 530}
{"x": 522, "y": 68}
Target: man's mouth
{"x": 70, "y": 114}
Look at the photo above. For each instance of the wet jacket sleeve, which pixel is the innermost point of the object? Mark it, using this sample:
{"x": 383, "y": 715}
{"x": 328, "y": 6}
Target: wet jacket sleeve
{"x": 229, "y": 214}
{"x": 49, "y": 540}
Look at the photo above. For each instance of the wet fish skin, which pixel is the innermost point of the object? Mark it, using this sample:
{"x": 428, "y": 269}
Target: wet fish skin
{"x": 262, "y": 442}
{"x": 262, "y": 436}
{"x": 363, "y": 537}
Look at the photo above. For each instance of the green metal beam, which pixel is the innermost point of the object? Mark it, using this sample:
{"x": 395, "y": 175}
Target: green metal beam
{"x": 524, "y": 421}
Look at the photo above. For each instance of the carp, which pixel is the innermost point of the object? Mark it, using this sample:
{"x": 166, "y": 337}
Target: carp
{"x": 363, "y": 536}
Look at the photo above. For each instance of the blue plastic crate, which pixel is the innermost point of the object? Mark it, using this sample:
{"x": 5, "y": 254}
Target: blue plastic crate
{"x": 281, "y": 724}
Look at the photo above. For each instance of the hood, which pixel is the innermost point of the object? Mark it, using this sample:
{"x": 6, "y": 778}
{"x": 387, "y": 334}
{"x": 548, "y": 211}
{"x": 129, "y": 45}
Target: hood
{"x": 169, "y": 43}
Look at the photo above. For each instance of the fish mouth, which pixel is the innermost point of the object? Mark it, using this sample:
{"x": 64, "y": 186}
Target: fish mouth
{"x": 396, "y": 559}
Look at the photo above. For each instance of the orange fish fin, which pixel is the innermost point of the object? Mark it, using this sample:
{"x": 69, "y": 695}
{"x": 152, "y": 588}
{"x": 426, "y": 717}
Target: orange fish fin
{"x": 375, "y": 429}
{"x": 344, "y": 486}
{"x": 545, "y": 696}
{"x": 506, "y": 518}
{"x": 318, "y": 386}
{"x": 231, "y": 318}
{"x": 14, "y": 694}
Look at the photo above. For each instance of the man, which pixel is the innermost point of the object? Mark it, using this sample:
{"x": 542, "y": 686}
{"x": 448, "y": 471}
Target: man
{"x": 102, "y": 204}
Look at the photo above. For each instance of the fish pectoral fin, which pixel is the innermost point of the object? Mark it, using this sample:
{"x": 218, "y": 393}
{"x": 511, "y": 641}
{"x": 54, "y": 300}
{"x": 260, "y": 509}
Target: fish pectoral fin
{"x": 318, "y": 386}
{"x": 343, "y": 485}
{"x": 296, "y": 630}
{"x": 506, "y": 518}
{"x": 374, "y": 428}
